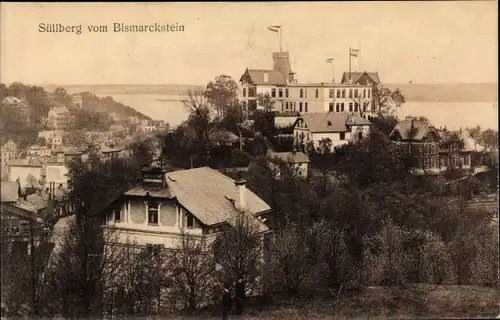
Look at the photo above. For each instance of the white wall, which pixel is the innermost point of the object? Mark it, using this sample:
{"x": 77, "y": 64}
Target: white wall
{"x": 22, "y": 173}
{"x": 134, "y": 223}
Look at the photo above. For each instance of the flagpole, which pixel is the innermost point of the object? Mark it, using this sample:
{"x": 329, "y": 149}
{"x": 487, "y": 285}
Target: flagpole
{"x": 349, "y": 64}
{"x": 280, "y": 38}
{"x": 333, "y": 70}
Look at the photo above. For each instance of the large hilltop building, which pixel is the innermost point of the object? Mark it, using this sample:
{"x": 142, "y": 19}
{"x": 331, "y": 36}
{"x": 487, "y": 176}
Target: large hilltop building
{"x": 350, "y": 96}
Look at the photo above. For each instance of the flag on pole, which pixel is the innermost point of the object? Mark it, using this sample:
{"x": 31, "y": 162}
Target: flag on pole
{"x": 274, "y": 28}
{"x": 329, "y": 60}
{"x": 354, "y": 53}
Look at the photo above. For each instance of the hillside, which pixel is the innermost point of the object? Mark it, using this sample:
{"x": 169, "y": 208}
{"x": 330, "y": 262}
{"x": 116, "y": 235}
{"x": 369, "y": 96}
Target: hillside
{"x": 452, "y": 92}
{"x": 111, "y": 89}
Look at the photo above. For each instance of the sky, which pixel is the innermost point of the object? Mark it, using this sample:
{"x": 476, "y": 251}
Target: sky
{"x": 421, "y": 42}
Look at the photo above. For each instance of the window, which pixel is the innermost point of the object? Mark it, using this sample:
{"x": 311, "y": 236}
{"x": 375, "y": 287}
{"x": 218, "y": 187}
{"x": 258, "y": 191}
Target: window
{"x": 273, "y": 93}
{"x": 244, "y": 92}
{"x": 286, "y": 105}
{"x": 350, "y": 106}
{"x": 330, "y": 93}
{"x": 356, "y": 106}
{"x": 355, "y": 93}
{"x": 350, "y": 93}
{"x": 342, "y": 136}
{"x": 280, "y": 93}
{"x": 342, "y": 107}
{"x": 302, "y": 93}
{"x": 343, "y": 93}
{"x": 190, "y": 221}
{"x": 286, "y": 93}
{"x": 250, "y": 92}
{"x": 337, "y": 107}
{"x": 364, "y": 93}
{"x": 360, "y": 135}
{"x": 300, "y": 106}
{"x": 369, "y": 93}
{"x": 331, "y": 106}
{"x": 305, "y": 106}
{"x": 338, "y": 93}
{"x": 117, "y": 215}
{"x": 317, "y": 93}
{"x": 152, "y": 213}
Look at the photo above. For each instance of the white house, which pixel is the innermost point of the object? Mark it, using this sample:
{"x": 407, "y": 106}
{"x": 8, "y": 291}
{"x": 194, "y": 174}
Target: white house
{"x": 162, "y": 205}
{"x": 340, "y": 128}
{"x": 37, "y": 151}
{"x": 27, "y": 172}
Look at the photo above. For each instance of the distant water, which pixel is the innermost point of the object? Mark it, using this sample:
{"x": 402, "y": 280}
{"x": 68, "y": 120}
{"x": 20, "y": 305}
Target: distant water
{"x": 450, "y": 114}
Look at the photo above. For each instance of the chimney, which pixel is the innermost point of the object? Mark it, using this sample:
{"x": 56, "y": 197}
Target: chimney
{"x": 241, "y": 194}
{"x": 413, "y": 124}
{"x": 281, "y": 63}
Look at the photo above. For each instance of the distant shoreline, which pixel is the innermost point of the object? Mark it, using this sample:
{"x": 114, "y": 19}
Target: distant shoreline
{"x": 453, "y": 92}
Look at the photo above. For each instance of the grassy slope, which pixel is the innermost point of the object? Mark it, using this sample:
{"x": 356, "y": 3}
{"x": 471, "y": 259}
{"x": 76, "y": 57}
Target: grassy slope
{"x": 415, "y": 301}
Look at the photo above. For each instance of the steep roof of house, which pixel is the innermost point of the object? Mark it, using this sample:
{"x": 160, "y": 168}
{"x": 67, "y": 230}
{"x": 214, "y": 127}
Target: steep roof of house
{"x": 331, "y": 121}
{"x": 257, "y": 77}
{"x": 405, "y": 129}
{"x": 9, "y": 191}
{"x": 291, "y": 157}
{"x": 24, "y": 163}
{"x": 208, "y": 195}
{"x": 355, "y": 76}
{"x": 222, "y": 135}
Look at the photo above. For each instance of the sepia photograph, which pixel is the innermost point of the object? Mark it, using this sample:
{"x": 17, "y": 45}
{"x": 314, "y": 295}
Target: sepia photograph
{"x": 254, "y": 160}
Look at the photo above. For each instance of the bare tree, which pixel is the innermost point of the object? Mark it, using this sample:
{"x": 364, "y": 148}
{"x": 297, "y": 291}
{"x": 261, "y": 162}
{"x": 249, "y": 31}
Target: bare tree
{"x": 475, "y": 134}
{"x": 193, "y": 270}
{"x": 200, "y": 119}
{"x": 240, "y": 247}
{"x": 266, "y": 101}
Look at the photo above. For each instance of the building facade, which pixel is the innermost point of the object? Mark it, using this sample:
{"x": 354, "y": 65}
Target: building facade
{"x": 27, "y": 172}
{"x": 37, "y": 151}
{"x": 429, "y": 150}
{"x": 290, "y": 96}
{"x": 22, "y": 111}
{"x": 163, "y": 206}
{"x": 340, "y": 128}
{"x": 9, "y": 151}
{"x": 58, "y": 117}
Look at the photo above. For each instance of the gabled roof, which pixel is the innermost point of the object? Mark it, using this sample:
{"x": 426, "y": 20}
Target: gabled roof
{"x": 355, "y": 76}
{"x": 331, "y": 121}
{"x": 290, "y": 157}
{"x": 9, "y": 191}
{"x": 257, "y": 77}
{"x": 405, "y": 129}
{"x": 207, "y": 194}
{"x": 223, "y": 135}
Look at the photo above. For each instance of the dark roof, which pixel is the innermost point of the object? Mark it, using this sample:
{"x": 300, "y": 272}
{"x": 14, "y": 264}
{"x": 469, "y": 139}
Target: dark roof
{"x": 331, "y": 121}
{"x": 9, "y": 191}
{"x": 257, "y": 77}
{"x": 355, "y": 76}
{"x": 19, "y": 211}
{"x": 291, "y": 157}
{"x": 223, "y": 135}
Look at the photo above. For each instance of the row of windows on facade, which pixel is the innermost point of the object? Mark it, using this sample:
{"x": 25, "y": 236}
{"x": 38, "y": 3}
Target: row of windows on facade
{"x": 15, "y": 227}
{"x": 353, "y": 107}
{"x": 153, "y": 216}
{"x": 302, "y": 136}
{"x": 341, "y": 93}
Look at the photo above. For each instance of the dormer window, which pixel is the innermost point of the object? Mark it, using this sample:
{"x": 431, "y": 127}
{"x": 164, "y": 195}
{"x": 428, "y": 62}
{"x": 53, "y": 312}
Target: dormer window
{"x": 190, "y": 221}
